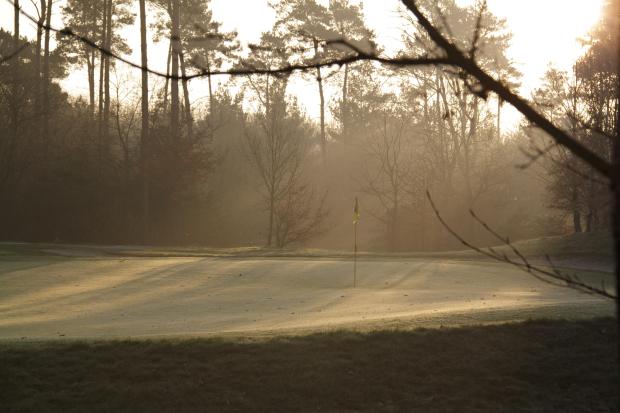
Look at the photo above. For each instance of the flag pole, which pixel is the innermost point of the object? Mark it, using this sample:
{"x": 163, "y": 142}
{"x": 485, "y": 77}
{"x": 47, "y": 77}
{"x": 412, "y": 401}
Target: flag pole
{"x": 356, "y": 219}
{"x": 355, "y": 256}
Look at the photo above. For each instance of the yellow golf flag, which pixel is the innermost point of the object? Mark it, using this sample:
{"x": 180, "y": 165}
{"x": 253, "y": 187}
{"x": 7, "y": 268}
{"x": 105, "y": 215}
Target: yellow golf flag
{"x": 356, "y": 212}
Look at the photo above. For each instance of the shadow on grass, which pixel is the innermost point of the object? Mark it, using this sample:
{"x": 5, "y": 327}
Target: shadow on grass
{"x": 533, "y": 366}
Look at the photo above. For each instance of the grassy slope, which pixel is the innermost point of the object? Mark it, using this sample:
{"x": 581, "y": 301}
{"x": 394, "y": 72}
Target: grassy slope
{"x": 534, "y": 366}
{"x": 588, "y": 244}
{"x": 597, "y": 245}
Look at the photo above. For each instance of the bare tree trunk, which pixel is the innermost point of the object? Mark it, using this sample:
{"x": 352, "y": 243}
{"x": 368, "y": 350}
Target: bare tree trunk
{"x": 188, "y": 108}
{"x": 499, "y": 119}
{"x": 107, "y": 102}
{"x": 209, "y": 80}
{"x": 91, "y": 85}
{"x": 577, "y": 221}
{"x": 144, "y": 131}
{"x": 271, "y": 216}
{"x": 589, "y": 220}
{"x": 46, "y": 74}
{"x": 267, "y": 99}
{"x": 345, "y": 105}
{"x": 469, "y": 195}
{"x": 37, "y": 66}
{"x": 92, "y": 65}
{"x": 210, "y": 94}
{"x": 102, "y": 58}
{"x": 15, "y": 104}
{"x": 167, "y": 83}
{"x": 322, "y": 96}
{"x": 176, "y": 48}
{"x": 15, "y": 91}
{"x": 319, "y": 80}
{"x": 91, "y": 58}
{"x": 393, "y": 237}
{"x": 473, "y": 131}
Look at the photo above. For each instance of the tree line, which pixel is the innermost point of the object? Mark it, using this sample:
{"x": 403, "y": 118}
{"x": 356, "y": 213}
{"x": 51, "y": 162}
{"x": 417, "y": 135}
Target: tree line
{"x": 144, "y": 161}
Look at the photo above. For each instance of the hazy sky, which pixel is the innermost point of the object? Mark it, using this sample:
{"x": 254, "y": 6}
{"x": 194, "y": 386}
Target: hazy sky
{"x": 544, "y": 32}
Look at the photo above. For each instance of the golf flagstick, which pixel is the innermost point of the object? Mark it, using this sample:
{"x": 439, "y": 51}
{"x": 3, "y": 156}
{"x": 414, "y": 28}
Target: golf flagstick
{"x": 356, "y": 219}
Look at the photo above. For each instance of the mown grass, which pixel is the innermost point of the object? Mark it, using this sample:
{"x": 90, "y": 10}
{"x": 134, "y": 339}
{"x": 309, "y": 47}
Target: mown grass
{"x": 535, "y": 366}
{"x": 594, "y": 245}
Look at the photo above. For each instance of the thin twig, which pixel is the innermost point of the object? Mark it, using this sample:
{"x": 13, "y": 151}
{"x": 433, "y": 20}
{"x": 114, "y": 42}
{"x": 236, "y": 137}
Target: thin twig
{"x": 248, "y": 69}
{"x": 551, "y": 276}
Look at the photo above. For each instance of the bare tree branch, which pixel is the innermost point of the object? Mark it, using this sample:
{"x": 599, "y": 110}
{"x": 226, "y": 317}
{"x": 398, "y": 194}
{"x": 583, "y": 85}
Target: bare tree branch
{"x": 458, "y": 58}
{"x": 247, "y": 70}
{"x": 536, "y": 154}
{"x": 454, "y": 57}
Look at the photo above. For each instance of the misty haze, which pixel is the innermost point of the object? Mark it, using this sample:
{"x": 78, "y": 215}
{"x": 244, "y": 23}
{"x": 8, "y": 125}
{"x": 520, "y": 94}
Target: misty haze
{"x": 309, "y": 205}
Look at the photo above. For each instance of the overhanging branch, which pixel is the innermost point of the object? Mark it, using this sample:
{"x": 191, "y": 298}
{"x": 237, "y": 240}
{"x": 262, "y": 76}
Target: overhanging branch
{"x": 453, "y": 57}
{"x": 457, "y": 58}
{"x": 359, "y": 55}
